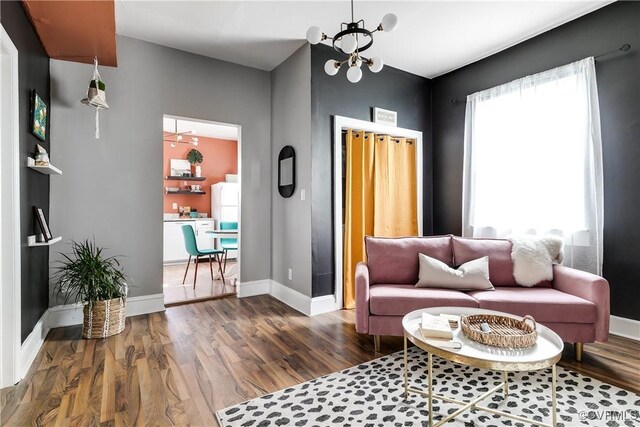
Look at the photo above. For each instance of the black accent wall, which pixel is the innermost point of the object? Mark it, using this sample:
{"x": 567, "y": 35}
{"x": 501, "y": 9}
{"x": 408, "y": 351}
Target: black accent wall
{"x": 391, "y": 89}
{"x": 619, "y": 92}
{"x": 33, "y": 70}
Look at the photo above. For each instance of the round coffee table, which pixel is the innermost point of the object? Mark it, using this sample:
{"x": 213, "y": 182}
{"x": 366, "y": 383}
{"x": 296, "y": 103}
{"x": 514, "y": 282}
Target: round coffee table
{"x": 544, "y": 354}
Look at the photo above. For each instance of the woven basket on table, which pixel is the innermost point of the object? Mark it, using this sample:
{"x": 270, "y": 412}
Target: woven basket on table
{"x": 103, "y": 318}
{"x": 505, "y": 331}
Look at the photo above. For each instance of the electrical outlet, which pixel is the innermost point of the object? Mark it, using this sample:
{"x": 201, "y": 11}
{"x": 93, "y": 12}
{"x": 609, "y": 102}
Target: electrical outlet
{"x": 174, "y": 206}
{"x": 302, "y": 194}
{"x": 290, "y": 274}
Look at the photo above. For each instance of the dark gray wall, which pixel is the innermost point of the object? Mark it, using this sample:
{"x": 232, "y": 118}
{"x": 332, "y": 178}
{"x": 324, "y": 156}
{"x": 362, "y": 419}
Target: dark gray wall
{"x": 33, "y": 73}
{"x": 619, "y": 92}
{"x": 112, "y": 187}
{"x": 392, "y": 89}
{"x": 291, "y": 125}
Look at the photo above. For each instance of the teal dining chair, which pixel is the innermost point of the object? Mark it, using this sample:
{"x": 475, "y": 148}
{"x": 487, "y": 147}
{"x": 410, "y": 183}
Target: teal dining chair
{"x": 191, "y": 245}
{"x": 228, "y": 244}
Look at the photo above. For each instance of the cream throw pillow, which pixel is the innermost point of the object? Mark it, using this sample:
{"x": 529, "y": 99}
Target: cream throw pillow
{"x": 471, "y": 275}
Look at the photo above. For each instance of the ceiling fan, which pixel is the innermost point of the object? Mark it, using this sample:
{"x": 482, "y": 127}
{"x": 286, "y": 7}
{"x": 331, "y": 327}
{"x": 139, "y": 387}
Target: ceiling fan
{"x": 179, "y": 137}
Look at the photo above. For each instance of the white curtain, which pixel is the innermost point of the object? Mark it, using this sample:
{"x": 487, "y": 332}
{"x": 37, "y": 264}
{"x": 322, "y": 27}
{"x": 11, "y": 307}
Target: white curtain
{"x": 533, "y": 161}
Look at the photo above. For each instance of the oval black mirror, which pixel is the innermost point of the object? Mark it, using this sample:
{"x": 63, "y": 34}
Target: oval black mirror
{"x": 287, "y": 171}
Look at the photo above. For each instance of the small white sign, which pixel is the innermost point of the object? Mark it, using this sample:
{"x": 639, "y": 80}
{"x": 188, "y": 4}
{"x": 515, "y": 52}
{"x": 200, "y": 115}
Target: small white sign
{"x": 385, "y": 117}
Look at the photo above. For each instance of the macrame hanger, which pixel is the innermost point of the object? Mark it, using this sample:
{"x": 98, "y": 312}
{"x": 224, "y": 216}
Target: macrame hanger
{"x": 96, "y": 78}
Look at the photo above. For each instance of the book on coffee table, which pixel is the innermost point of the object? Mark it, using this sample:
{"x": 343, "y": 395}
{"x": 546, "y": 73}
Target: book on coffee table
{"x": 435, "y": 327}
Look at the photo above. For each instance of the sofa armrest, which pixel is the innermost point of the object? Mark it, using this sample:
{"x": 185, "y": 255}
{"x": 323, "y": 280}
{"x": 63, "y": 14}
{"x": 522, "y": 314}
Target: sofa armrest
{"x": 362, "y": 298}
{"x": 586, "y": 286}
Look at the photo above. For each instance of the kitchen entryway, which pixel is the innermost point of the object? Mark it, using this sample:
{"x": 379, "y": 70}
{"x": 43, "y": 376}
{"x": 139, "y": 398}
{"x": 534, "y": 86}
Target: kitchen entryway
{"x": 201, "y": 209}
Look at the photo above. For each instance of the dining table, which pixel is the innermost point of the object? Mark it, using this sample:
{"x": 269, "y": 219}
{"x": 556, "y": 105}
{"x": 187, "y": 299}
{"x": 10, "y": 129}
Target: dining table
{"x": 225, "y": 234}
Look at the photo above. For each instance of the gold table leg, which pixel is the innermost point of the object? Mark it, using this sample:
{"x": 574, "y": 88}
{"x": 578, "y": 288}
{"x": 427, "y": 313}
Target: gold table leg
{"x": 406, "y": 370}
{"x": 430, "y": 390}
{"x": 506, "y": 384}
{"x": 474, "y": 404}
{"x": 553, "y": 396}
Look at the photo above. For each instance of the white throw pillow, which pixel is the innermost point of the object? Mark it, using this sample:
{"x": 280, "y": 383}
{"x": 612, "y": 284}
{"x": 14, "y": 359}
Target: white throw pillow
{"x": 533, "y": 258}
{"x": 471, "y": 275}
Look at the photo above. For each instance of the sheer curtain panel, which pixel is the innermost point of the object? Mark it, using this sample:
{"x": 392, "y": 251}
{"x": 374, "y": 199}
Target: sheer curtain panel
{"x": 533, "y": 161}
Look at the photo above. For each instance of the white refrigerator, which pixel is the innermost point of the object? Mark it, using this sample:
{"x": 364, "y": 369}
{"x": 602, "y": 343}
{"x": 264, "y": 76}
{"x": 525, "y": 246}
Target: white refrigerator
{"x": 225, "y": 201}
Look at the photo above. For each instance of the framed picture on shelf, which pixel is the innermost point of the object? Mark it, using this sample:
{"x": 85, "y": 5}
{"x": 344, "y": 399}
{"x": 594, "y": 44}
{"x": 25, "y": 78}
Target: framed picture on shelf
{"x": 39, "y": 116}
{"x": 42, "y": 222}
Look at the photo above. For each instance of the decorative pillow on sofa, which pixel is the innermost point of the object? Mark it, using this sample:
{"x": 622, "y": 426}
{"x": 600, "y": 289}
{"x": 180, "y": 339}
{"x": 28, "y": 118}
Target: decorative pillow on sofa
{"x": 472, "y": 275}
{"x": 533, "y": 258}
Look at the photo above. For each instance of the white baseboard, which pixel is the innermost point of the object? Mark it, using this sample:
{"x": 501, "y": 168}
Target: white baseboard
{"x": 324, "y": 304}
{"x": 628, "y": 328}
{"x": 71, "y": 314}
{"x": 302, "y": 303}
{"x": 253, "y": 288}
{"x": 31, "y": 346}
{"x": 292, "y": 298}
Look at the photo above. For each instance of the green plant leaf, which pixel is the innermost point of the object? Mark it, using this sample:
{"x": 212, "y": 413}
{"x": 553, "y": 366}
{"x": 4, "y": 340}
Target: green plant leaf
{"x": 194, "y": 157}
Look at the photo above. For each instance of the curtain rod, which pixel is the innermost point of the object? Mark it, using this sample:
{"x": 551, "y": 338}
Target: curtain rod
{"x": 408, "y": 138}
{"x": 624, "y": 49}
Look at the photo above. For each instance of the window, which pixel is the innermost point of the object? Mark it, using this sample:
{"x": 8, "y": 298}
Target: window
{"x": 533, "y": 161}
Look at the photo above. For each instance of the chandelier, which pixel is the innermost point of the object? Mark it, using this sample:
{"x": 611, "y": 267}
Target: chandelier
{"x": 353, "y": 39}
{"x": 179, "y": 137}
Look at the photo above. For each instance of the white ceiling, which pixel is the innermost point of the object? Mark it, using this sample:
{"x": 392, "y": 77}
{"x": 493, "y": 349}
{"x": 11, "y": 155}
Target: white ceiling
{"x": 433, "y": 37}
{"x": 200, "y": 128}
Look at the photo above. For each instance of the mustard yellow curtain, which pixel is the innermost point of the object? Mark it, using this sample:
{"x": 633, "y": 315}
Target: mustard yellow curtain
{"x": 380, "y": 196}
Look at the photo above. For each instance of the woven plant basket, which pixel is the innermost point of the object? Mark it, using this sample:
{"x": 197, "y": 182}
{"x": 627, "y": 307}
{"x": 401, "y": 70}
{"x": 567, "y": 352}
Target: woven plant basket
{"x": 104, "y": 318}
{"x": 505, "y": 331}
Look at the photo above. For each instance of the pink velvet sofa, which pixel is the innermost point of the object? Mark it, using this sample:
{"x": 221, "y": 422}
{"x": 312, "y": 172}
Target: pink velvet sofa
{"x": 575, "y": 304}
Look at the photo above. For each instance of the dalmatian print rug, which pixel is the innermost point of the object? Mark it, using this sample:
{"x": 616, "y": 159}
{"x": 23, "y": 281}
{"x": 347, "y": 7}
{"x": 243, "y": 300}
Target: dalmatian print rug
{"x": 372, "y": 395}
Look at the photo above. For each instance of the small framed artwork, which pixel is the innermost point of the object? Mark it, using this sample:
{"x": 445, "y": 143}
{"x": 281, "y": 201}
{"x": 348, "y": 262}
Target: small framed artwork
{"x": 42, "y": 222}
{"x": 39, "y": 116}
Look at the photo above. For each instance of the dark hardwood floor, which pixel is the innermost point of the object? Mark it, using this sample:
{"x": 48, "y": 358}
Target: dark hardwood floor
{"x": 180, "y": 366}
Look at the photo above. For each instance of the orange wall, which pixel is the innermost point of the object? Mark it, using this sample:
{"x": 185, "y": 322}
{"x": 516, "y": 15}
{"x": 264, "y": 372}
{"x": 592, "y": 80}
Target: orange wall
{"x": 220, "y": 157}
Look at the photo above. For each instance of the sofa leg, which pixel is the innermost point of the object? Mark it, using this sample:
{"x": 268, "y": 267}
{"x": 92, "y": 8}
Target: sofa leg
{"x": 376, "y": 343}
{"x": 578, "y": 351}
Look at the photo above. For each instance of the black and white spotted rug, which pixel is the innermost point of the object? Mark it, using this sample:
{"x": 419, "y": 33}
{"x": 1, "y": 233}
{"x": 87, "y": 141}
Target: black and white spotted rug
{"x": 371, "y": 395}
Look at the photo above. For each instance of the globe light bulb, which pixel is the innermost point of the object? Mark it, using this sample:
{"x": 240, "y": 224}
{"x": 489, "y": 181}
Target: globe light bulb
{"x": 314, "y": 35}
{"x": 173, "y": 145}
{"x": 195, "y": 143}
{"x": 389, "y": 22}
{"x": 194, "y": 139}
{"x": 179, "y": 138}
{"x": 331, "y": 67}
{"x": 375, "y": 65}
{"x": 354, "y": 74}
{"x": 348, "y": 44}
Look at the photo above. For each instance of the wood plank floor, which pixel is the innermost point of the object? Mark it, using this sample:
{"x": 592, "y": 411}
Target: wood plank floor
{"x": 180, "y": 366}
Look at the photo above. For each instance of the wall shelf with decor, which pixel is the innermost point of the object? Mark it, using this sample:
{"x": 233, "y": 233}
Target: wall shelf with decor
{"x": 195, "y": 193}
{"x": 32, "y": 241}
{"x": 186, "y": 178}
{"x": 47, "y": 170}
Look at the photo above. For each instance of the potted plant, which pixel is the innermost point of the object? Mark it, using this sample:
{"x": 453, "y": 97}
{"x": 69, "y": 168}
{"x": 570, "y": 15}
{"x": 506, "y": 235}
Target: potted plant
{"x": 87, "y": 276}
{"x": 195, "y": 158}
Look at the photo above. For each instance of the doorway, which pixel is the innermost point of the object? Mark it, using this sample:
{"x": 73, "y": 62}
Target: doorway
{"x": 342, "y": 124}
{"x": 10, "y": 367}
{"x": 201, "y": 209}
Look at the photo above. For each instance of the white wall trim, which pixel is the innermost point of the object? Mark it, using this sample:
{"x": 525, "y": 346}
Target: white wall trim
{"x": 10, "y": 240}
{"x": 340, "y": 123}
{"x": 628, "y": 328}
{"x": 253, "y": 288}
{"x": 292, "y": 298}
{"x": 71, "y": 314}
{"x": 324, "y": 304}
{"x": 302, "y": 303}
{"x": 31, "y": 346}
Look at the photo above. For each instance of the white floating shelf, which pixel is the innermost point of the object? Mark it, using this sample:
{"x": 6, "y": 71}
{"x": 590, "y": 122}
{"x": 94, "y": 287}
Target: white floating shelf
{"x": 47, "y": 170}
{"x": 31, "y": 241}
